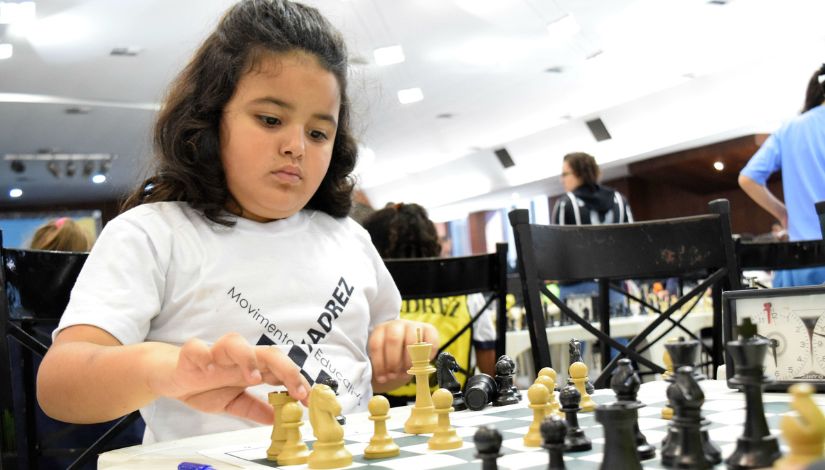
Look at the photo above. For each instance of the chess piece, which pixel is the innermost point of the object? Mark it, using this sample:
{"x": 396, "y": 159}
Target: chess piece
{"x": 481, "y": 389}
{"x": 578, "y": 374}
{"x": 550, "y": 372}
{"x": 575, "y": 350}
{"x": 756, "y": 447}
{"x": 488, "y": 446}
{"x": 422, "y": 418}
{"x": 294, "y": 451}
{"x": 625, "y": 383}
{"x": 619, "y": 439}
{"x": 537, "y": 395}
{"x": 553, "y": 429}
{"x": 511, "y": 366}
{"x": 553, "y": 406}
{"x": 445, "y": 368}
{"x": 381, "y": 444}
{"x": 444, "y": 437}
{"x": 277, "y": 400}
{"x": 805, "y": 434}
{"x": 507, "y": 393}
{"x": 685, "y": 353}
{"x": 575, "y": 439}
{"x": 667, "y": 411}
{"x": 333, "y": 384}
{"x": 683, "y": 447}
{"x": 328, "y": 450}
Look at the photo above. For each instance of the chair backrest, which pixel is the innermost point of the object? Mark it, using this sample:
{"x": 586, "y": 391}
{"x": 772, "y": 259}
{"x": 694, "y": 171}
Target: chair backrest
{"x": 651, "y": 249}
{"x": 419, "y": 278}
{"x": 35, "y": 287}
{"x": 770, "y": 256}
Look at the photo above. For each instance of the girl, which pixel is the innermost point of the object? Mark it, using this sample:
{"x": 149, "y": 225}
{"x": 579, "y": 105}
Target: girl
{"x": 238, "y": 243}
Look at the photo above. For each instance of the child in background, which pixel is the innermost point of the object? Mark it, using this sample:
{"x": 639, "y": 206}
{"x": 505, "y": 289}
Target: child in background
{"x": 405, "y": 231}
{"x": 235, "y": 267}
{"x": 63, "y": 234}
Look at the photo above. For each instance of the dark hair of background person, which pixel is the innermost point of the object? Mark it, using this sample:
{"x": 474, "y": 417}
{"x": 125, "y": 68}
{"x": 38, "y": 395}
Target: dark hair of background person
{"x": 63, "y": 234}
{"x": 403, "y": 231}
{"x": 187, "y": 164}
{"x": 815, "y": 95}
{"x": 584, "y": 166}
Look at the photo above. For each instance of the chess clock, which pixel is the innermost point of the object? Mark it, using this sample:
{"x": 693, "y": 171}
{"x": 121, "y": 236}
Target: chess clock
{"x": 793, "y": 320}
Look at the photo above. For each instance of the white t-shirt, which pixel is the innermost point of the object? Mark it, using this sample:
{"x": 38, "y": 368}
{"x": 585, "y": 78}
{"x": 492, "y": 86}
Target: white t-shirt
{"x": 311, "y": 284}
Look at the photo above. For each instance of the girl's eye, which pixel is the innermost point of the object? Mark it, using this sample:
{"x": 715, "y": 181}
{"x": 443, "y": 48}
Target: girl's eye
{"x": 318, "y": 135}
{"x": 269, "y": 121}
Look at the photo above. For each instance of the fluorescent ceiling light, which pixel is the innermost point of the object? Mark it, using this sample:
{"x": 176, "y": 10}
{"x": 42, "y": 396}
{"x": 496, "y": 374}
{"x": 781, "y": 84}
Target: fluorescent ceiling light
{"x": 410, "y": 95}
{"x": 388, "y": 55}
{"x": 11, "y": 13}
{"x": 15, "y": 192}
{"x": 6, "y": 51}
{"x": 98, "y": 179}
{"x": 563, "y": 28}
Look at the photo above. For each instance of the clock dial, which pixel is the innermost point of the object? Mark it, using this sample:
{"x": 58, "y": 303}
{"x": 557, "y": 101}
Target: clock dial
{"x": 818, "y": 345}
{"x": 790, "y": 353}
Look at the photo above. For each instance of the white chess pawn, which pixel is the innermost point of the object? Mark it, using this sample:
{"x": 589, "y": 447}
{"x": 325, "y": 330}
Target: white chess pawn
{"x": 444, "y": 437}
{"x": 381, "y": 444}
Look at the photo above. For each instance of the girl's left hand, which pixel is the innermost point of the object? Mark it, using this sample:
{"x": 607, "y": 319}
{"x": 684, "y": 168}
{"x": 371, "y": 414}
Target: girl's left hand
{"x": 388, "y": 348}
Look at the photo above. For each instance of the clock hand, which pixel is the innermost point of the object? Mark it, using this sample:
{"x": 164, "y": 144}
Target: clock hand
{"x": 818, "y": 334}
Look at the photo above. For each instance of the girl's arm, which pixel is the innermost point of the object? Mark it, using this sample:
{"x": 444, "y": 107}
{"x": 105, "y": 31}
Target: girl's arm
{"x": 87, "y": 376}
{"x": 765, "y": 198}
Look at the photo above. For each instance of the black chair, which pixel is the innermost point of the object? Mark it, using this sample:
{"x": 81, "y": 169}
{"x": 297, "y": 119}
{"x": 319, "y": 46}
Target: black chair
{"x": 34, "y": 291}
{"x": 769, "y": 256}
{"x": 423, "y": 278}
{"x": 652, "y": 249}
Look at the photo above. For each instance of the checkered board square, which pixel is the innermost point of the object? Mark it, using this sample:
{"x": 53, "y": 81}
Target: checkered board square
{"x": 724, "y": 411}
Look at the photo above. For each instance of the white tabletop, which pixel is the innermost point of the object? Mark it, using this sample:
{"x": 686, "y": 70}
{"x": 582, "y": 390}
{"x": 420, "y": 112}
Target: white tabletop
{"x": 167, "y": 455}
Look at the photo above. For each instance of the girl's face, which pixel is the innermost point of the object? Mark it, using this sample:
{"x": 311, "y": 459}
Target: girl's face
{"x": 277, "y": 133}
{"x": 569, "y": 179}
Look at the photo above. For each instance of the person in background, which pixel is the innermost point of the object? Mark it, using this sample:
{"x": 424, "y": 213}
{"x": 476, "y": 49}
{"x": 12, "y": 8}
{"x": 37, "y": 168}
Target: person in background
{"x": 798, "y": 150}
{"x": 235, "y": 267}
{"x": 405, "y": 231}
{"x": 586, "y": 202}
{"x": 63, "y": 234}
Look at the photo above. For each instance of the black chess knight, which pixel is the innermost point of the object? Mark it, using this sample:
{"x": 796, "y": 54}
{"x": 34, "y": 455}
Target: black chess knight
{"x": 683, "y": 446}
{"x": 625, "y": 383}
{"x": 445, "y": 368}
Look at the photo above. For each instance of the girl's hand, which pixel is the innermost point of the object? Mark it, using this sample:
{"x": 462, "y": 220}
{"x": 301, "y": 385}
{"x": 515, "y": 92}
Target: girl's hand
{"x": 214, "y": 379}
{"x": 388, "y": 348}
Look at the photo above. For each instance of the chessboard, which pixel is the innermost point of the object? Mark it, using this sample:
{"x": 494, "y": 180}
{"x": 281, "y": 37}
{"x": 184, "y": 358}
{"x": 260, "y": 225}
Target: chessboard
{"x": 723, "y": 408}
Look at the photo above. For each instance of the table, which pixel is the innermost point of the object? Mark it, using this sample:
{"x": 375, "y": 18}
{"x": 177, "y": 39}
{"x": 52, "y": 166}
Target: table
{"x": 724, "y": 408}
{"x": 518, "y": 342}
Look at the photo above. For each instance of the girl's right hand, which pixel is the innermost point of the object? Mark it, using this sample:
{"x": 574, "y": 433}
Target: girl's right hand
{"x": 214, "y": 379}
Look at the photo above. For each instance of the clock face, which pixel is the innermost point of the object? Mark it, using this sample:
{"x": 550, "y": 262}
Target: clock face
{"x": 795, "y": 327}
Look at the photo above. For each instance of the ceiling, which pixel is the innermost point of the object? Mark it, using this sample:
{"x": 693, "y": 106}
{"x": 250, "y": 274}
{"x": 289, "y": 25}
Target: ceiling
{"x": 662, "y": 76}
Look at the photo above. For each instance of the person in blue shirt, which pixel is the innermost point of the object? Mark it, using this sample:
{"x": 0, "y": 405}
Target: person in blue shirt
{"x": 798, "y": 150}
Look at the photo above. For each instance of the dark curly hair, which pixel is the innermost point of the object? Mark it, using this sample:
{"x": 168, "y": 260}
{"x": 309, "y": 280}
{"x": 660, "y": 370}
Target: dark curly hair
{"x": 584, "y": 166}
{"x": 815, "y": 94}
{"x": 403, "y": 231}
{"x": 187, "y": 163}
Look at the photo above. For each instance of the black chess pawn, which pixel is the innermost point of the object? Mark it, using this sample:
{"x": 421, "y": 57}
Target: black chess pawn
{"x": 333, "y": 384}
{"x": 488, "y": 446}
{"x": 756, "y": 448}
{"x": 619, "y": 442}
{"x": 507, "y": 393}
{"x": 445, "y": 368}
{"x": 683, "y": 447}
{"x": 575, "y": 440}
{"x": 480, "y": 390}
{"x": 575, "y": 350}
{"x": 553, "y": 430}
{"x": 625, "y": 383}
